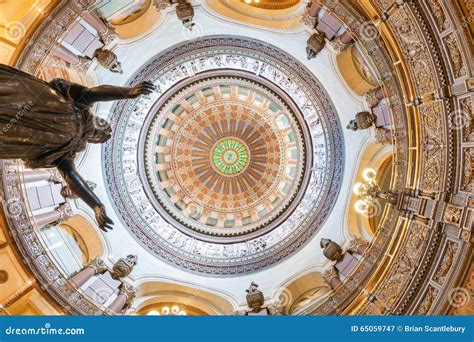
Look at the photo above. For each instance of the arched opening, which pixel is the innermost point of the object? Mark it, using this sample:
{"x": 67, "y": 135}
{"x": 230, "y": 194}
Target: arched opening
{"x": 66, "y": 246}
{"x": 129, "y": 18}
{"x": 153, "y": 297}
{"x": 281, "y": 15}
{"x": 303, "y": 291}
{"x": 72, "y": 243}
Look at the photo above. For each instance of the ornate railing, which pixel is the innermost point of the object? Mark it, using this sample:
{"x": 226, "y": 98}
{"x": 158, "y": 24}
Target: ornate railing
{"x": 25, "y": 232}
{"x": 432, "y": 110}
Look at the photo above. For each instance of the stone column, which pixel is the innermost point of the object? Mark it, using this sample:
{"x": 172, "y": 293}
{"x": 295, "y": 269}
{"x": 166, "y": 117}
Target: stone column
{"x": 358, "y": 246}
{"x": 79, "y": 63}
{"x": 310, "y": 17}
{"x": 93, "y": 20}
{"x": 61, "y": 213}
{"x": 124, "y": 299}
{"x": 314, "y": 8}
{"x": 331, "y": 277}
{"x": 342, "y": 42}
{"x": 45, "y": 219}
{"x": 38, "y": 175}
{"x": 106, "y": 33}
{"x": 66, "y": 55}
{"x": 94, "y": 267}
{"x": 374, "y": 96}
{"x": 346, "y": 38}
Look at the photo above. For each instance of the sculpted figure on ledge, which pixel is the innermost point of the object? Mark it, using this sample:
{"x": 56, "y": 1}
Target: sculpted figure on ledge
{"x": 47, "y": 123}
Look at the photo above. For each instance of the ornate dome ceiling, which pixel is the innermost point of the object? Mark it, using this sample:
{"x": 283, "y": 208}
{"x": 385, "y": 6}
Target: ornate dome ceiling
{"x": 233, "y": 164}
{"x": 225, "y": 156}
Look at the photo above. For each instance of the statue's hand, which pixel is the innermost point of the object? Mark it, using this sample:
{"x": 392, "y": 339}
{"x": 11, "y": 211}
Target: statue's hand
{"x": 105, "y": 223}
{"x": 143, "y": 88}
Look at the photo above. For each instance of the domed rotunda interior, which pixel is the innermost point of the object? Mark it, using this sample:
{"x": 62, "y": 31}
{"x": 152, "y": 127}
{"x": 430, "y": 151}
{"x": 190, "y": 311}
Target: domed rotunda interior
{"x": 294, "y": 158}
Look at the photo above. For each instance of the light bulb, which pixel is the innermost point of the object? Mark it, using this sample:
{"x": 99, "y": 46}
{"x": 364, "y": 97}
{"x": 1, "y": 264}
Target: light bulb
{"x": 182, "y": 313}
{"x": 165, "y": 310}
{"x": 153, "y": 313}
{"x": 360, "y": 206}
{"x": 356, "y": 188}
{"x": 175, "y": 310}
{"x": 369, "y": 174}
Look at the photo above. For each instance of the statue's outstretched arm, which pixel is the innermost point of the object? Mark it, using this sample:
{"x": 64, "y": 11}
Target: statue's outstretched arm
{"x": 79, "y": 187}
{"x": 111, "y": 93}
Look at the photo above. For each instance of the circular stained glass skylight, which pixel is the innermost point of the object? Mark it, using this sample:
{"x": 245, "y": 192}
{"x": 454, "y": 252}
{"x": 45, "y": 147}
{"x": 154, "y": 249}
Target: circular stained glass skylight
{"x": 230, "y": 156}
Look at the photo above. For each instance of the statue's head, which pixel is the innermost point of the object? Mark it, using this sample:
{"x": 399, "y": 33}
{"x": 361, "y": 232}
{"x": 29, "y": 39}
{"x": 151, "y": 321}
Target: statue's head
{"x": 352, "y": 125}
{"x": 101, "y": 133}
{"x": 132, "y": 259}
{"x": 324, "y": 242}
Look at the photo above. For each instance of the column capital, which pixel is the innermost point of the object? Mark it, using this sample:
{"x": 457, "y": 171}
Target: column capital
{"x": 342, "y": 42}
{"x": 383, "y": 136}
{"x": 65, "y": 211}
{"x": 98, "y": 265}
{"x": 129, "y": 292}
{"x": 374, "y": 96}
{"x": 56, "y": 176}
{"x": 331, "y": 277}
{"x": 161, "y": 4}
{"x": 358, "y": 245}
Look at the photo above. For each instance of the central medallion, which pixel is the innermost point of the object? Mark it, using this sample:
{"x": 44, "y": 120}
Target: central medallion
{"x": 230, "y": 156}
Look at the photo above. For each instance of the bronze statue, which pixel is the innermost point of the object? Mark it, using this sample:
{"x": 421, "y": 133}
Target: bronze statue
{"x": 363, "y": 120}
{"x": 124, "y": 266}
{"x": 46, "y": 123}
{"x": 255, "y": 298}
{"x": 331, "y": 250}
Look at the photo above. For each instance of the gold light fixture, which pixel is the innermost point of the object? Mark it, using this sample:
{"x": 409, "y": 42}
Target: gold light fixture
{"x": 369, "y": 193}
{"x": 175, "y": 310}
{"x": 366, "y": 191}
